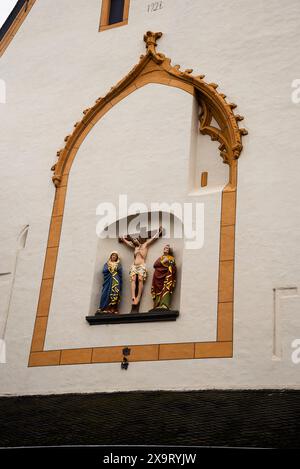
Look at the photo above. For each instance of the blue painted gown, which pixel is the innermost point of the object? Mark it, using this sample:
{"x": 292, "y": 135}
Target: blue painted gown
{"x": 112, "y": 288}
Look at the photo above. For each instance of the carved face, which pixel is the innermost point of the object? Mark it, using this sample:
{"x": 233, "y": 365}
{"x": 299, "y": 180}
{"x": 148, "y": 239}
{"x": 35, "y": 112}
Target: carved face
{"x": 167, "y": 249}
{"x": 114, "y": 257}
{"x": 136, "y": 242}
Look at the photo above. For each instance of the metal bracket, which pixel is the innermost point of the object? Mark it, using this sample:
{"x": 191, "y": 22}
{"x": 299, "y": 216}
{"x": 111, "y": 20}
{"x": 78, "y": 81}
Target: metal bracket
{"x": 125, "y": 362}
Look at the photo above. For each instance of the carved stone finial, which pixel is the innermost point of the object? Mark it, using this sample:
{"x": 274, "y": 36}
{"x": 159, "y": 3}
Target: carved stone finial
{"x": 150, "y": 39}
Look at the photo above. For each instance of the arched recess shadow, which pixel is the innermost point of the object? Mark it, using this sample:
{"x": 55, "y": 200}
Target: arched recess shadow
{"x": 153, "y": 67}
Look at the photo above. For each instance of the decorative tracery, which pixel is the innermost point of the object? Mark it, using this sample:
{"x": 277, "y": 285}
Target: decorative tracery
{"x": 213, "y": 105}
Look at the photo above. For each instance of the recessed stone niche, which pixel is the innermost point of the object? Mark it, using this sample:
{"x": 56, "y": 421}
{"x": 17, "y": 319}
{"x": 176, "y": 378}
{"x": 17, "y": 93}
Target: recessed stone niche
{"x": 107, "y": 245}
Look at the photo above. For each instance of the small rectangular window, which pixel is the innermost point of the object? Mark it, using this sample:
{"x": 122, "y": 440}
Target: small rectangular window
{"x": 114, "y": 13}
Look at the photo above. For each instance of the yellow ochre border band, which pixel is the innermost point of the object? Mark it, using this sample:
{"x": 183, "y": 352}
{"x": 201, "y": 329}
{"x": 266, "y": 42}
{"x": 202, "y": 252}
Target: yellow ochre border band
{"x": 153, "y": 67}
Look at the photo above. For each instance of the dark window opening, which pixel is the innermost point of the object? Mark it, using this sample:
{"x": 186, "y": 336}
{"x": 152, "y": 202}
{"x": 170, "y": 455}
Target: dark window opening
{"x": 11, "y": 17}
{"x": 116, "y": 12}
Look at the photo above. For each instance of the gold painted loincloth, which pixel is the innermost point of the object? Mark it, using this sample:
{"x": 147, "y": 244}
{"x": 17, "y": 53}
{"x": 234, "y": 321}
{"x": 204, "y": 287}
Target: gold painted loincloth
{"x": 138, "y": 270}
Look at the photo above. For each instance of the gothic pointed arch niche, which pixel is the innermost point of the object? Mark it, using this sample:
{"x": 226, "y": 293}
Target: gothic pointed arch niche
{"x": 153, "y": 67}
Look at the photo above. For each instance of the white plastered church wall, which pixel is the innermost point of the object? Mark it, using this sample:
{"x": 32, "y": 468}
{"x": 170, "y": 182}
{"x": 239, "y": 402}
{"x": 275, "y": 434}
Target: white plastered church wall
{"x": 63, "y": 64}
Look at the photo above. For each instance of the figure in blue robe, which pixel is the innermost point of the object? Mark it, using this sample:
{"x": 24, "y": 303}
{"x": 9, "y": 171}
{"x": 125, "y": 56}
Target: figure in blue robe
{"x": 112, "y": 285}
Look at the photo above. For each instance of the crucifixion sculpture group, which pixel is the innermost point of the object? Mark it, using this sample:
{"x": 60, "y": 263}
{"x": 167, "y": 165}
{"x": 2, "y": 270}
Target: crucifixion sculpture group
{"x": 163, "y": 282}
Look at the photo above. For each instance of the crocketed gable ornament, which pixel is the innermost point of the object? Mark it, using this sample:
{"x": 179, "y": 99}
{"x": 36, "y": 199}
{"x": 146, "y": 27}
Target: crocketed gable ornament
{"x": 155, "y": 67}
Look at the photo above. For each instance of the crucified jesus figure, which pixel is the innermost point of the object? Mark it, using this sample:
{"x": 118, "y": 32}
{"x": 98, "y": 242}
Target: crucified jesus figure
{"x": 138, "y": 271}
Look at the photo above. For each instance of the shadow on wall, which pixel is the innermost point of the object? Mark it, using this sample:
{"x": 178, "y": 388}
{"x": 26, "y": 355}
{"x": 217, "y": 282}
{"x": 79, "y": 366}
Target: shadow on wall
{"x": 205, "y": 159}
{"x": 108, "y": 244}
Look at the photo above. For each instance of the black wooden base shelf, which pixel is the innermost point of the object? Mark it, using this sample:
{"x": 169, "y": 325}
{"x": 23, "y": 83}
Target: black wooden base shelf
{"x": 154, "y": 315}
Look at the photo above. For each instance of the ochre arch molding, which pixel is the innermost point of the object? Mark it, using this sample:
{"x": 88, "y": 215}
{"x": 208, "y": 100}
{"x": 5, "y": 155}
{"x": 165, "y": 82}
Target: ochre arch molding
{"x": 153, "y": 67}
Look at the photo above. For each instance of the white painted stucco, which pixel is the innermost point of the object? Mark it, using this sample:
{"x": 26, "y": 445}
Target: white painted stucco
{"x": 56, "y": 66}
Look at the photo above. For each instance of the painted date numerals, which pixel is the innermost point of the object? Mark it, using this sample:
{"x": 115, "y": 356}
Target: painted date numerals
{"x": 155, "y": 6}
